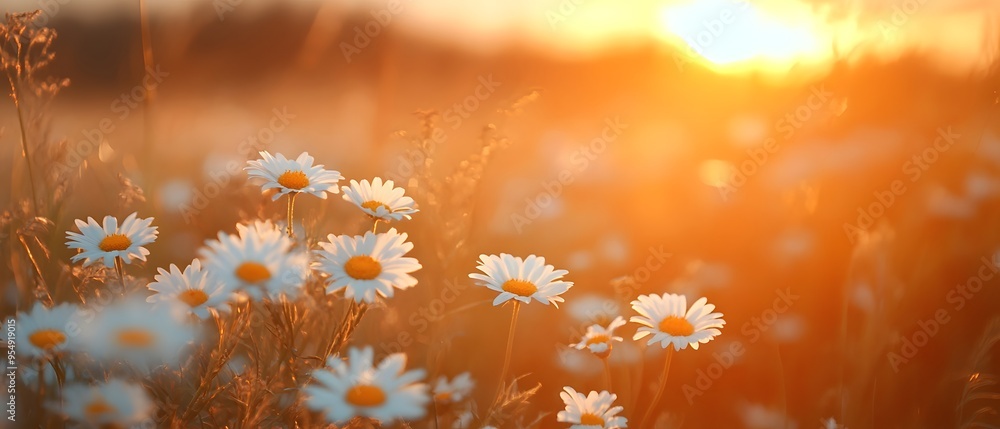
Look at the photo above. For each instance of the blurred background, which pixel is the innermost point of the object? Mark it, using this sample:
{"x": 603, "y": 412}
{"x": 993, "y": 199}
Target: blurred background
{"x": 826, "y": 172}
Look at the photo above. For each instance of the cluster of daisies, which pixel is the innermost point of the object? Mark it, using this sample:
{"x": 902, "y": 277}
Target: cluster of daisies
{"x": 263, "y": 261}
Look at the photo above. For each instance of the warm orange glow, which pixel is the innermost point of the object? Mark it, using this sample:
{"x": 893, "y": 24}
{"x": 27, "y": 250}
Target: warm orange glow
{"x": 734, "y": 35}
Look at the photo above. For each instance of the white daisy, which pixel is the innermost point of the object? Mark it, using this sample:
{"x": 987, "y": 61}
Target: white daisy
{"x": 463, "y": 418}
{"x": 111, "y": 240}
{"x": 367, "y": 266}
{"x": 112, "y": 404}
{"x": 380, "y": 200}
{"x": 592, "y": 411}
{"x": 599, "y": 339}
{"x": 193, "y": 290}
{"x": 358, "y": 389}
{"x": 521, "y": 279}
{"x": 669, "y": 320}
{"x": 292, "y": 177}
{"x": 258, "y": 260}
{"x": 46, "y": 331}
{"x": 138, "y": 334}
{"x": 457, "y": 390}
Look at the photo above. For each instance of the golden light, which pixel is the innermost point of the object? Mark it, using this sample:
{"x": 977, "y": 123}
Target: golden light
{"x": 729, "y": 34}
{"x": 715, "y": 172}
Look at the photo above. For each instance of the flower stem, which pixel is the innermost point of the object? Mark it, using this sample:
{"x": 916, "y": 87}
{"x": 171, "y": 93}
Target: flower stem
{"x": 659, "y": 391}
{"x": 41, "y": 379}
{"x": 15, "y": 94}
{"x": 375, "y": 226}
{"x": 291, "y": 214}
{"x": 120, "y": 268}
{"x": 607, "y": 374}
{"x": 506, "y": 358}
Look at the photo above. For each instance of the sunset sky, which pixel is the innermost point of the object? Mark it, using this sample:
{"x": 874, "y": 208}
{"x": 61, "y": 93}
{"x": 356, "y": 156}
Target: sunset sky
{"x": 781, "y": 31}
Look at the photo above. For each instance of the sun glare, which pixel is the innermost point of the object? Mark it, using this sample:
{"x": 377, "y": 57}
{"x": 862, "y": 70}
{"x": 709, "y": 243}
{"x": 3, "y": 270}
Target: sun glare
{"x": 728, "y": 33}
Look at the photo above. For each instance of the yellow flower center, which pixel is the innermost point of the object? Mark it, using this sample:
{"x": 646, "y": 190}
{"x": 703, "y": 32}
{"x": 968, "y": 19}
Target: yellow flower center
{"x": 136, "y": 338}
{"x": 115, "y": 242}
{"x": 46, "y": 339}
{"x": 293, "y": 179}
{"x": 363, "y": 267}
{"x": 374, "y": 205}
{"x": 597, "y": 339}
{"x": 443, "y": 397}
{"x": 193, "y": 297}
{"x": 253, "y": 272}
{"x": 676, "y": 326}
{"x": 98, "y": 408}
{"x": 519, "y": 287}
{"x": 588, "y": 419}
{"x": 365, "y": 395}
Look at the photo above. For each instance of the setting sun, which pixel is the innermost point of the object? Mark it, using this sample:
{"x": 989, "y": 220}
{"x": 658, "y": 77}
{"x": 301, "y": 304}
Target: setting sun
{"x": 728, "y": 32}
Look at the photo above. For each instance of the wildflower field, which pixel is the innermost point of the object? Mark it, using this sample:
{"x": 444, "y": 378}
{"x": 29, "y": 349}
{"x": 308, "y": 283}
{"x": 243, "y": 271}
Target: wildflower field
{"x": 484, "y": 214}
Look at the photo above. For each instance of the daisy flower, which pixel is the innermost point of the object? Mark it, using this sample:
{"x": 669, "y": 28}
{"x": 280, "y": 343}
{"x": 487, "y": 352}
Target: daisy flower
{"x": 458, "y": 389}
{"x": 670, "y": 321}
{"x": 463, "y": 420}
{"x": 521, "y": 279}
{"x": 380, "y": 200}
{"x": 46, "y": 331}
{"x": 367, "y": 266}
{"x": 292, "y": 177}
{"x": 258, "y": 260}
{"x": 356, "y": 388}
{"x": 110, "y": 241}
{"x": 599, "y": 339}
{"x": 111, "y": 404}
{"x": 592, "y": 411}
{"x": 193, "y": 290}
{"x": 135, "y": 332}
